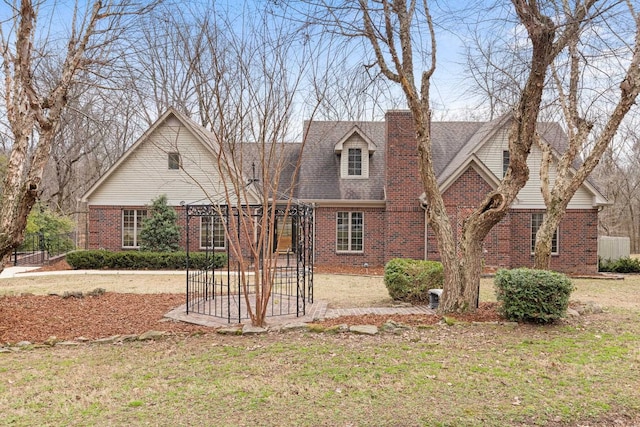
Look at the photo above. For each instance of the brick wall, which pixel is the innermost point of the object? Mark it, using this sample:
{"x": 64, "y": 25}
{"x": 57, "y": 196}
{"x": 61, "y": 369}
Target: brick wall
{"x": 325, "y": 238}
{"x": 508, "y": 243}
{"x": 577, "y": 241}
{"x": 404, "y": 217}
{"x": 105, "y": 227}
{"x": 402, "y": 176}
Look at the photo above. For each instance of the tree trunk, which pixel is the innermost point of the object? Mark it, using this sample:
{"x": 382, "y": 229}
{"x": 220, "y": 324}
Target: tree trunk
{"x": 544, "y": 236}
{"x": 18, "y": 196}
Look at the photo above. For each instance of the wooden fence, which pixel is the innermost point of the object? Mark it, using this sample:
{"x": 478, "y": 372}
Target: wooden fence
{"x": 613, "y": 248}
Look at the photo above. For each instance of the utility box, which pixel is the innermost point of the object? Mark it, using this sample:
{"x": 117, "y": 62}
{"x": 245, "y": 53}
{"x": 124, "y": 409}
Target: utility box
{"x": 434, "y": 298}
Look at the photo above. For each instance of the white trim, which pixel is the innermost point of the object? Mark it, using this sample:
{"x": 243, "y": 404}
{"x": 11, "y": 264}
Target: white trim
{"x": 212, "y": 235}
{"x": 136, "y": 243}
{"x": 355, "y": 129}
{"x": 349, "y": 233}
{"x": 345, "y": 203}
{"x": 474, "y": 162}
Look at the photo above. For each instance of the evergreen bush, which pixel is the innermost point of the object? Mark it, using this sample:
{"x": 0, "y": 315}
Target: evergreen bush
{"x": 536, "y": 296}
{"x": 621, "y": 265}
{"x": 409, "y": 280}
{"x": 160, "y": 231}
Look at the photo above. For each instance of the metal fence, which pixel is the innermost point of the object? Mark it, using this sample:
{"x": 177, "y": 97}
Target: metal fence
{"x": 40, "y": 248}
{"x": 225, "y": 292}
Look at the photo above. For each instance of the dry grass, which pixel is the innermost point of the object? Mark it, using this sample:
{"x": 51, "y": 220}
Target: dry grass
{"x": 461, "y": 375}
{"x": 123, "y": 283}
{"x": 340, "y": 291}
{"x": 574, "y": 373}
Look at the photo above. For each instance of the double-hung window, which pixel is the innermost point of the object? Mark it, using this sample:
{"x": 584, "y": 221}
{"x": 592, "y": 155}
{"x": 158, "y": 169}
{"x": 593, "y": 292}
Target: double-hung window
{"x": 350, "y": 232}
{"x": 536, "y": 222}
{"x": 212, "y": 232}
{"x": 132, "y": 226}
{"x": 354, "y": 162}
{"x": 505, "y": 162}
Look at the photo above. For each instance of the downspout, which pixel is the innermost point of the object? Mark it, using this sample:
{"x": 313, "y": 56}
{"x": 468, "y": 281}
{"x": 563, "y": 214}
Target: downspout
{"x": 423, "y": 205}
{"x": 313, "y": 237}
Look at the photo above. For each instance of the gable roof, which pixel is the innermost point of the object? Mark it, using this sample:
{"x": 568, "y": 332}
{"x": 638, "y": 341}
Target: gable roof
{"x": 454, "y": 149}
{"x": 202, "y": 135}
{"x": 371, "y": 146}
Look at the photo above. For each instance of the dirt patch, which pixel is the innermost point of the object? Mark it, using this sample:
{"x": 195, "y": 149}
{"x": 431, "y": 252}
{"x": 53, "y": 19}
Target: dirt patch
{"x": 58, "y": 265}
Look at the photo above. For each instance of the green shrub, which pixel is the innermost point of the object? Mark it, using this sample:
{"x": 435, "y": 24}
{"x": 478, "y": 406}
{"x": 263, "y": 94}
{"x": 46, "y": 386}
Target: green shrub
{"x": 88, "y": 260}
{"x": 137, "y": 260}
{"x": 48, "y": 230}
{"x": 537, "y": 296}
{"x": 160, "y": 231}
{"x": 621, "y": 265}
{"x": 409, "y": 280}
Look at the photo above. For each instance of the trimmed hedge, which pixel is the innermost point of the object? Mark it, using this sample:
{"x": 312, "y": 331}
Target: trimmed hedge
{"x": 138, "y": 260}
{"x": 409, "y": 280}
{"x": 537, "y": 296}
{"x": 621, "y": 265}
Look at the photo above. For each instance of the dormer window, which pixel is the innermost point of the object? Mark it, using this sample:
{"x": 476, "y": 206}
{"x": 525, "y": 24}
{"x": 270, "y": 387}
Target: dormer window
{"x": 354, "y": 150}
{"x": 354, "y": 166}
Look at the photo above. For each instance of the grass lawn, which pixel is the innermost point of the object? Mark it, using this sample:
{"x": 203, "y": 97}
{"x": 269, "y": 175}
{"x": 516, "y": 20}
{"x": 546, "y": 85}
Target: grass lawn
{"x": 584, "y": 372}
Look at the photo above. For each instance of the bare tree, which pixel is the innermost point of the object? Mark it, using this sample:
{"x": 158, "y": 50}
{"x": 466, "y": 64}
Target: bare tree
{"x": 401, "y": 35}
{"x": 583, "y": 135}
{"x": 35, "y": 108}
{"x": 248, "y": 78}
{"x": 617, "y": 175}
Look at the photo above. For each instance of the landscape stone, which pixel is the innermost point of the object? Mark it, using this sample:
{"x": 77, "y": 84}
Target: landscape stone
{"x": 589, "y": 308}
{"x": 364, "y": 329}
{"x": 253, "y": 330}
{"x": 5, "y": 350}
{"x": 23, "y": 344}
{"x": 127, "y": 338}
{"x": 68, "y": 343}
{"x": 394, "y": 327}
{"x": 572, "y": 313}
{"x": 151, "y": 335}
{"x": 295, "y": 326}
{"x": 51, "y": 341}
{"x": 107, "y": 340}
{"x": 234, "y": 330}
{"x": 343, "y": 327}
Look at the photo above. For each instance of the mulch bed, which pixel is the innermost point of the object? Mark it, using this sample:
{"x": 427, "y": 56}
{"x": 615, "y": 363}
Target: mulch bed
{"x": 36, "y": 318}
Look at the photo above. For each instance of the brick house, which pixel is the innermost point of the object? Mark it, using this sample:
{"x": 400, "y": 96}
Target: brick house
{"x": 362, "y": 179}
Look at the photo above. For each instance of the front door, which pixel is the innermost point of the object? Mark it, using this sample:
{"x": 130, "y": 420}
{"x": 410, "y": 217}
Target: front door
{"x": 284, "y": 235}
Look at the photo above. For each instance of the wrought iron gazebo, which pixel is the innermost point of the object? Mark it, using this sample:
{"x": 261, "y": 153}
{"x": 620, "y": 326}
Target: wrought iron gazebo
{"x": 218, "y": 291}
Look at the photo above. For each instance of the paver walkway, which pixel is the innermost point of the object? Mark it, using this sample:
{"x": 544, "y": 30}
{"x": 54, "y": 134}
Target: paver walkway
{"x": 315, "y": 312}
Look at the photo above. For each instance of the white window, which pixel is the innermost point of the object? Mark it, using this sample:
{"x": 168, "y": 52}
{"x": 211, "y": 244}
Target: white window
{"x": 212, "y": 233}
{"x": 536, "y": 222}
{"x": 354, "y": 162}
{"x": 349, "y": 232}
{"x": 505, "y": 162}
{"x": 132, "y": 226}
